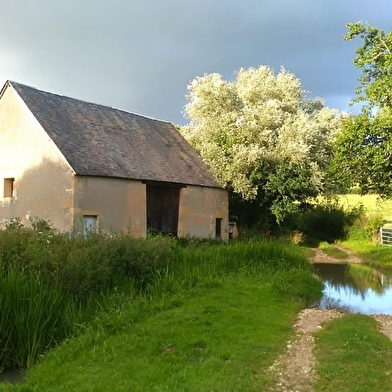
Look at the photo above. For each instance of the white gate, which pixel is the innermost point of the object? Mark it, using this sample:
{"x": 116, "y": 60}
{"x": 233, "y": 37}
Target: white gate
{"x": 386, "y": 236}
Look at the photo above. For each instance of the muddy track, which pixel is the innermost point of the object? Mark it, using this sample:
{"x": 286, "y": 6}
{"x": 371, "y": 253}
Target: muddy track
{"x": 294, "y": 369}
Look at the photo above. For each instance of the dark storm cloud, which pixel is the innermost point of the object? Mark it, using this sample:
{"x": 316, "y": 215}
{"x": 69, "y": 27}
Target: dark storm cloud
{"x": 140, "y": 55}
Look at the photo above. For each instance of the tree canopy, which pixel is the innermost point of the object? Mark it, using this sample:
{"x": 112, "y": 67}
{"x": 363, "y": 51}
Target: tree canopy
{"x": 374, "y": 59}
{"x": 260, "y": 135}
{"x": 363, "y": 150}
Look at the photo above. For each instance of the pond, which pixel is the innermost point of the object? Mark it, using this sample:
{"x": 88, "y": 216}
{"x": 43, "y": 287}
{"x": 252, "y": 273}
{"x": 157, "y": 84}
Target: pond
{"x": 355, "y": 288}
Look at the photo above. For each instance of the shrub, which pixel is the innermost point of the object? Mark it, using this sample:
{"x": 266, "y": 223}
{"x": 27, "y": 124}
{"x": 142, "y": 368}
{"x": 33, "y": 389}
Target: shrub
{"x": 40, "y": 224}
{"x": 297, "y": 238}
{"x": 366, "y": 227}
{"x": 325, "y": 222}
{"x": 82, "y": 266}
{"x": 14, "y": 224}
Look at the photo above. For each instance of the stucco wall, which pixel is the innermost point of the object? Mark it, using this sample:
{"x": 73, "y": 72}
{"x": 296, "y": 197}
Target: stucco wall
{"x": 43, "y": 179}
{"x": 199, "y": 209}
{"x": 119, "y": 204}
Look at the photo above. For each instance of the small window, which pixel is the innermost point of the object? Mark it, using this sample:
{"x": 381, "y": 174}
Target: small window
{"x": 90, "y": 224}
{"x": 9, "y": 187}
{"x": 218, "y": 228}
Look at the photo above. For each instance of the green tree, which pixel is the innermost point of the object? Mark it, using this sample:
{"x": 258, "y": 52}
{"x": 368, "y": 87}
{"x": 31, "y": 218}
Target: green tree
{"x": 363, "y": 151}
{"x": 262, "y": 138}
{"x": 374, "y": 60}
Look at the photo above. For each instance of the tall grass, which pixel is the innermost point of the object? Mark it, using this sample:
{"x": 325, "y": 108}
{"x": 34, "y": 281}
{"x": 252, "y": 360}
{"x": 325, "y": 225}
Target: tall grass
{"x": 33, "y": 318}
{"x": 193, "y": 266}
{"x": 51, "y": 282}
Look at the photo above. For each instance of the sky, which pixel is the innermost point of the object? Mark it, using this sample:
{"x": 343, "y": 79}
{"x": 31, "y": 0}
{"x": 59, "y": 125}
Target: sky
{"x": 140, "y": 55}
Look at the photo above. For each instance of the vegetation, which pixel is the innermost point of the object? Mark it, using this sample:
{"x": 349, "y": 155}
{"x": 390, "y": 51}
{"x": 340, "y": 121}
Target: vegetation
{"x": 118, "y": 313}
{"x": 374, "y": 254}
{"x": 262, "y": 138}
{"x": 362, "y": 234}
{"x": 34, "y": 317}
{"x": 194, "y": 316}
{"x": 327, "y": 221}
{"x": 351, "y": 351}
{"x": 372, "y": 204}
{"x": 333, "y": 251}
{"x": 362, "y": 152}
{"x": 214, "y": 339}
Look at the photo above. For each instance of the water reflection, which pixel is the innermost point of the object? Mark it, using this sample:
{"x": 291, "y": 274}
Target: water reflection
{"x": 355, "y": 288}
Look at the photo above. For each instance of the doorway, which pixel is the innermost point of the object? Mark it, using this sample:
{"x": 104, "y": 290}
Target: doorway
{"x": 163, "y": 204}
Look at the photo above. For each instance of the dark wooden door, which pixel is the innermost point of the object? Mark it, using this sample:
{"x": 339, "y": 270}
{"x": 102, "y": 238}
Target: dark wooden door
{"x": 162, "y": 209}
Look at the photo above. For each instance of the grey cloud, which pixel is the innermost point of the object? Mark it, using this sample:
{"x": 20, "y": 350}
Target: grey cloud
{"x": 140, "y": 55}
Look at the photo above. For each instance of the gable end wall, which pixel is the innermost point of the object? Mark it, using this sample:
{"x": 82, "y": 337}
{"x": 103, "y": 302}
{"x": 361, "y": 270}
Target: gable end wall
{"x": 43, "y": 185}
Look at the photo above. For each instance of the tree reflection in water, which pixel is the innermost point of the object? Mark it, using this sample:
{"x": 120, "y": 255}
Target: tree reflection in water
{"x": 355, "y": 288}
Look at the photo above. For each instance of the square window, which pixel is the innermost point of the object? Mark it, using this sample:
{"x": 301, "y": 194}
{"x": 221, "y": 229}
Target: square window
{"x": 9, "y": 190}
{"x": 90, "y": 224}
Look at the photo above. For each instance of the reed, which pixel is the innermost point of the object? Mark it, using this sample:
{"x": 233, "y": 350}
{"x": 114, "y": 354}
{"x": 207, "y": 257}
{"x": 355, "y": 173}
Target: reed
{"x": 34, "y": 317}
{"x": 51, "y": 282}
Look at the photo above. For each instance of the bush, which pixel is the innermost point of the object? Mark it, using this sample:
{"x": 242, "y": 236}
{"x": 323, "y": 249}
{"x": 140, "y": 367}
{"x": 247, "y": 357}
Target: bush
{"x": 325, "y": 222}
{"x": 82, "y": 266}
{"x": 366, "y": 227}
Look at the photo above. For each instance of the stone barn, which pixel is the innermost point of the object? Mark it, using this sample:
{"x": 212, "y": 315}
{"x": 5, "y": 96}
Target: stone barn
{"x": 87, "y": 167}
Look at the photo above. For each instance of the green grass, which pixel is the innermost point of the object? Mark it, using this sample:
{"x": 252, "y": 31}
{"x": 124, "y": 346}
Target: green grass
{"x": 215, "y": 319}
{"x": 359, "y": 235}
{"x": 375, "y": 254}
{"x": 333, "y": 251}
{"x": 34, "y": 317}
{"x": 221, "y": 338}
{"x": 352, "y": 355}
{"x": 372, "y": 204}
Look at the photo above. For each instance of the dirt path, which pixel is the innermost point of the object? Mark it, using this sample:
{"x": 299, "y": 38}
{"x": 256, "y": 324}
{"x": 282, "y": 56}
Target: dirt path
{"x": 295, "y": 368}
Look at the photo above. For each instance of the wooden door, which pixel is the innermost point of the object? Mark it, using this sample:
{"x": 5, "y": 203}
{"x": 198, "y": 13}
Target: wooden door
{"x": 162, "y": 209}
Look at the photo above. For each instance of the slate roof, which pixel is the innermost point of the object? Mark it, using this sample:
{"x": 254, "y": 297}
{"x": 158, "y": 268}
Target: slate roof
{"x": 97, "y": 140}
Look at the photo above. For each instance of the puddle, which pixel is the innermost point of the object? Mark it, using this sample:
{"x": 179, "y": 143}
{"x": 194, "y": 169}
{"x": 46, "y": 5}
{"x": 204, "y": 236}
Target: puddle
{"x": 355, "y": 288}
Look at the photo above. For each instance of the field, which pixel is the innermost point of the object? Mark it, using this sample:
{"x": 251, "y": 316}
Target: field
{"x": 371, "y": 203}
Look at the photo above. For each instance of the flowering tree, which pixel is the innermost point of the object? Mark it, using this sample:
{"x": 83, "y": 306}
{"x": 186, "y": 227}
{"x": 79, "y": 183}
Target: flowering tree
{"x": 260, "y": 136}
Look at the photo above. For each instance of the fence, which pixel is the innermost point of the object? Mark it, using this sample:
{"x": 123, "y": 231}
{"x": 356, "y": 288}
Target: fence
{"x": 386, "y": 236}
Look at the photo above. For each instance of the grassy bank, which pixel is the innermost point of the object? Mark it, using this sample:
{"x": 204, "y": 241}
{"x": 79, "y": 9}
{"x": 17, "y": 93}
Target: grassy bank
{"x": 362, "y": 235}
{"x": 219, "y": 338}
{"x": 374, "y": 254}
{"x": 213, "y": 317}
{"x": 352, "y": 355}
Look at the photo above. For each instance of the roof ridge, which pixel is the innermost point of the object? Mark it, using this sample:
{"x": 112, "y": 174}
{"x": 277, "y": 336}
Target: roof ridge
{"x": 11, "y": 82}
{"x": 99, "y": 140}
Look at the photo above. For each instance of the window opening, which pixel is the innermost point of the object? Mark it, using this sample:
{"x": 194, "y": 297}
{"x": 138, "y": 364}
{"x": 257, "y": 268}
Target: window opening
{"x": 90, "y": 224}
{"x": 9, "y": 190}
{"x": 218, "y": 228}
